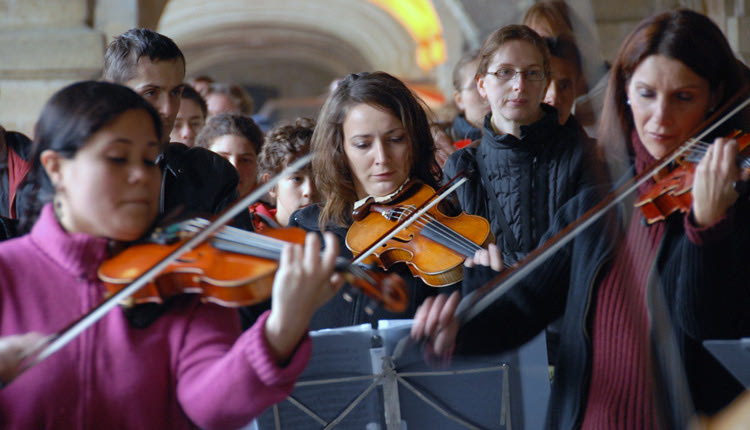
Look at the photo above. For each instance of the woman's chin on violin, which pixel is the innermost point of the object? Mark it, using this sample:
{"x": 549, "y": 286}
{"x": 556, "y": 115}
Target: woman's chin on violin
{"x": 371, "y": 137}
{"x": 647, "y": 286}
{"x": 94, "y": 180}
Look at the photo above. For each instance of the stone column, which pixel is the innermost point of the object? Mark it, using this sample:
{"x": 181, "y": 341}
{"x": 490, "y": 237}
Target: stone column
{"x": 44, "y": 45}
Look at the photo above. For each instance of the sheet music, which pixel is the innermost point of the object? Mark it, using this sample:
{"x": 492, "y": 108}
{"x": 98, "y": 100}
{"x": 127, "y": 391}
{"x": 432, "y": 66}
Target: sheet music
{"x": 337, "y": 354}
{"x": 478, "y": 392}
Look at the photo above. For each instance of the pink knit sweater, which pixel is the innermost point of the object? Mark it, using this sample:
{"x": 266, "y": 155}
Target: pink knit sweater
{"x": 187, "y": 369}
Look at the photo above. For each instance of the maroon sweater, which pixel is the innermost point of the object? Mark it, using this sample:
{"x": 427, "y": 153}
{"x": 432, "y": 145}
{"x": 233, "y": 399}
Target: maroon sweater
{"x": 620, "y": 395}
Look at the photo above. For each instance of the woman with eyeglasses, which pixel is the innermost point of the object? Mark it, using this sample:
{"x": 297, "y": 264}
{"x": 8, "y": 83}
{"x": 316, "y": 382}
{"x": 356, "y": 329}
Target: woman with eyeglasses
{"x": 527, "y": 165}
{"x": 637, "y": 300}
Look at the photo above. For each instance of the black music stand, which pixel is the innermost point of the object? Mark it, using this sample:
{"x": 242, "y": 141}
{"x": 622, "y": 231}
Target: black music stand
{"x": 367, "y": 379}
{"x": 734, "y": 355}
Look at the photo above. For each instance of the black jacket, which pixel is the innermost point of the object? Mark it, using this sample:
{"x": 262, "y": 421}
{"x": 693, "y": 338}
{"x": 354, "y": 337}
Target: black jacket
{"x": 704, "y": 288}
{"x": 461, "y": 129}
{"x": 339, "y": 312}
{"x": 198, "y": 182}
{"x": 531, "y": 177}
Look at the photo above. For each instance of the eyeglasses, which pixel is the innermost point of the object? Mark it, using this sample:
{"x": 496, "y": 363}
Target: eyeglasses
{"x": 508, "y": 74}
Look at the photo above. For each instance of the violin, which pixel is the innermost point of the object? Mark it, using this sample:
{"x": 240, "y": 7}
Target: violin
{"x": 146, "y": 275}
{"x": 672, "y": 190}
{"x": 234, "y": 268}
{"x": 434, "y": 245}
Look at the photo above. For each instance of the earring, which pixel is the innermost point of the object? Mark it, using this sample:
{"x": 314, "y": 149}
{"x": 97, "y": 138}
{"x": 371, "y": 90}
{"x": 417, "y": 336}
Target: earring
{"x": 58, "y": 208}
{"x": 627, "y": 102}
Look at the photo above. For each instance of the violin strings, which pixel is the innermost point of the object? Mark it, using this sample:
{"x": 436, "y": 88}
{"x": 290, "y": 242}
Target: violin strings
{"x": 237, "y": 240}
{"x": 252, "y": 243}
{"x": 232, "y": 239}
{"x": 440, "y": 233}
{"x": 444, "y": 234}
{"x": 701, "y": 148}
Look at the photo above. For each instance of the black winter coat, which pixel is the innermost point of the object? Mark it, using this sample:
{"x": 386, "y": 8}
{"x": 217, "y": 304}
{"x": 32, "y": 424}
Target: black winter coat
{"x": 702, "y": 286}
{"x": 531, "y": 177}
{"x": 461, "y": 129}
{"x": 198, "y": 182}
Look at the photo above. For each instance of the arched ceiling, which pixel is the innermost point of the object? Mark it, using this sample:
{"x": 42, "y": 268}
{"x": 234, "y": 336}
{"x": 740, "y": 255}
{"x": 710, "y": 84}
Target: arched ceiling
{"x": 264, "y": 42}
{"x": 333, "y": 34}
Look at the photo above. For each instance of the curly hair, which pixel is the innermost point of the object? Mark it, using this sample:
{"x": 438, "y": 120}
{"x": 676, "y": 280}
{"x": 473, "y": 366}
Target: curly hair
{"x": 330, "y": 167}
{"x": 284, "y": 144}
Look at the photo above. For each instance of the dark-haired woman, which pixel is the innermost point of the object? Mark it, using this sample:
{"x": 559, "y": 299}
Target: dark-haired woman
{"x": 371, "y": 137}
{"x": 638, "y": 299}
{"x": 95, "y": 181}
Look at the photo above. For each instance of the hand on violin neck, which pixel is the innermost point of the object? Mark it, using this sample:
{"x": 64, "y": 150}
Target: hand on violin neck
{"x": 713, "y": 188}
{"x": 303, "y": 283}
{"x": 490, "y": 257}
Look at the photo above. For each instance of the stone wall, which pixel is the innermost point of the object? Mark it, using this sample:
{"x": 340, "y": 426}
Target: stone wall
{"x": 44, "y": 45}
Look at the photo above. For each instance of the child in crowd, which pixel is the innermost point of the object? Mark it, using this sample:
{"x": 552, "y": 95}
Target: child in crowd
{"x": 238, "y": 139}
{"x": 283, "y": 145}
{"x": 190, "y": 118}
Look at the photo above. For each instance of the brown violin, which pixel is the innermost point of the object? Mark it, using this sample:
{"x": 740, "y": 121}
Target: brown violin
{"x": 672, "y": 190}
{"x": 234, "y": 268}
{"x": 434, "y": 245}
{"x": 145, "y": 275}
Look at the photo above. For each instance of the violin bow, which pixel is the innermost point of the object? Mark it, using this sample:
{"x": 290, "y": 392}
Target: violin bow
{"x": 674, "y": 401}
{"x": 62, "y": 338}
{"x": 477, "y": 301}
{"x": 411, "y": 218}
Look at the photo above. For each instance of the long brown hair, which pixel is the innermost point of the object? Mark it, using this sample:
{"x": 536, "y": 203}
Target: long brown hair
{"x": 683, "y": 35}
{"x": 330, "y": 168}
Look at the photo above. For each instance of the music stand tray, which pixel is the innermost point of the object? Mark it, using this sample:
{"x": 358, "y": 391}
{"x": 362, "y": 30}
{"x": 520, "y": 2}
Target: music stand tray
{"x": 360, "y": 378}
{"x": 734, "y": 355}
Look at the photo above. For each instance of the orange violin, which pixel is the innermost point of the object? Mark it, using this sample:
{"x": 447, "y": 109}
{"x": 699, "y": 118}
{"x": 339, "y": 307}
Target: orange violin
{"x": 672, "y": 190}
{"x": 234, "y": 268}
{"x": 434, "y": 246}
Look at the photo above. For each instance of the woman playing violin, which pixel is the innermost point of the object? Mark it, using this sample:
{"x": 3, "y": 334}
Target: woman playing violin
{"x": 372, "y": 136}
{"x": 619, "y": 284}
{"x": 97, "y": 182}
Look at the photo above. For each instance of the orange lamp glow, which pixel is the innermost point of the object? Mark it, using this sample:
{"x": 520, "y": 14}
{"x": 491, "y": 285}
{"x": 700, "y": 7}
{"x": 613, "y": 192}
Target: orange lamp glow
{"x": 423, "y": 24}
